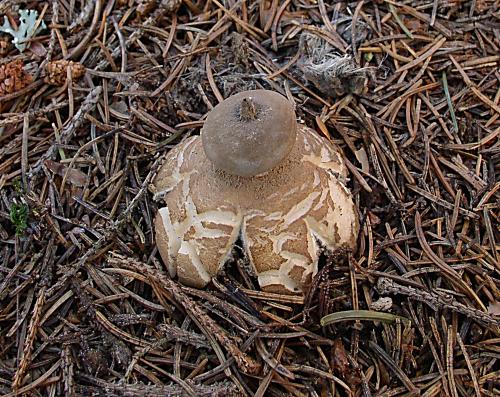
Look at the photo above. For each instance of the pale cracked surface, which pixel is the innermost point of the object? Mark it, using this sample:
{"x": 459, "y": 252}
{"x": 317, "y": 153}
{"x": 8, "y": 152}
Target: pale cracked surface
{"x": 283, "y": 217}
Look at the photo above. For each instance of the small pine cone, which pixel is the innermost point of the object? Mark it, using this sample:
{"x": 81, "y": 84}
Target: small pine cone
{"x": 56, "y": 71}
{"x": 13, "y": 78}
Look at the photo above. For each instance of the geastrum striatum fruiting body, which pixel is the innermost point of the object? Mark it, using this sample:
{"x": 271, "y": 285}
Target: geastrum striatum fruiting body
{"x": 256, "y": 176}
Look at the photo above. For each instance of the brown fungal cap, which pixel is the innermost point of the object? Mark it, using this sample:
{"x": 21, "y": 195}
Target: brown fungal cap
{"x": 250, "y": 132}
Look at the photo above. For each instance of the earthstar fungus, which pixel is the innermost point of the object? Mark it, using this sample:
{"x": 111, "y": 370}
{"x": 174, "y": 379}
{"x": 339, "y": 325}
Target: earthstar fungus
{"x": 257, "y": 176}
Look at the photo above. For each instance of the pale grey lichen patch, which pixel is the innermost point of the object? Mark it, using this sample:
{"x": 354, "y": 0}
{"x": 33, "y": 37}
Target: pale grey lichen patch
{"x": 28, "y": 28}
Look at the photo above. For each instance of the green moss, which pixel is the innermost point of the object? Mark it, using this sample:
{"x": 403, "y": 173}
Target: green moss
{"x": 17, "y": 185}
{"x": 19, "y": 217}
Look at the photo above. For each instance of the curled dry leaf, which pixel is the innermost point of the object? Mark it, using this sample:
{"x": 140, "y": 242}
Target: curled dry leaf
{"x": 494, "y": 309}
{"x": 74, "y": 176}
{"x": 362, "y": 157}
{"x": 38, "y": 49}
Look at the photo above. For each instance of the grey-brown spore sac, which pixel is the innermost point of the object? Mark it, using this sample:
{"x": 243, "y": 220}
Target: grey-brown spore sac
{"x": 250, "y": 133}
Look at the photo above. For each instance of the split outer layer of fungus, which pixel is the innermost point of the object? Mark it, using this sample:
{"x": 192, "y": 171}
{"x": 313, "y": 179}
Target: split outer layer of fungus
{"x": 256, "y": 176}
